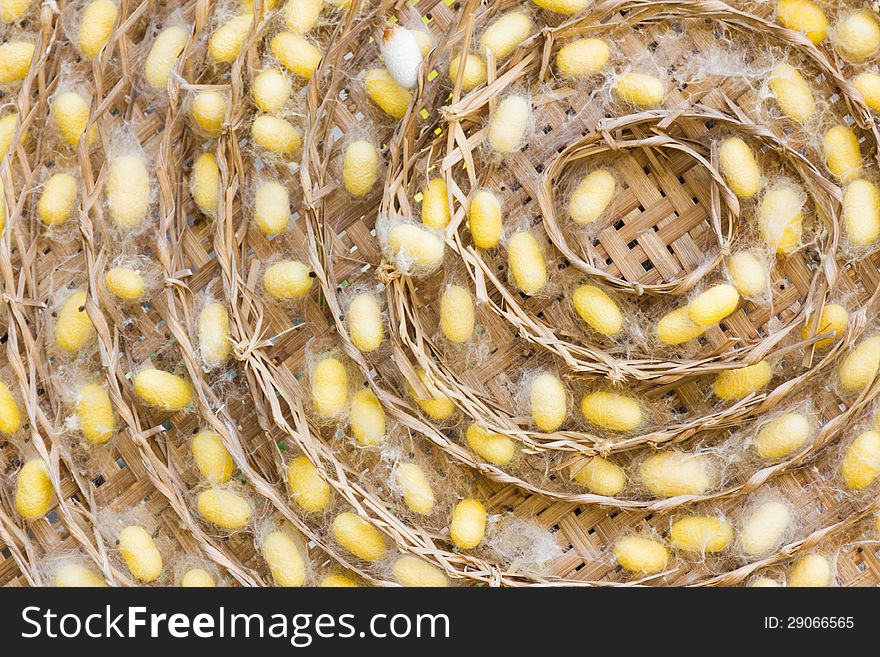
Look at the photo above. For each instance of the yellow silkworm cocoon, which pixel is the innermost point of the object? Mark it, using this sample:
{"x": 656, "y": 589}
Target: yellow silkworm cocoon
{"x": 484, "y": 219}
{"x": 457, "y": 314}
{"x": 562, "y": 6}
{"x": 868, "y": 84}
{"x": 8, "y": 126}
{"x": 33, "y": 490}
{"x": 526, "y": 261}
{"x": 10, "y": 416}
{"x": 638, "y": 554}
{"x": 214, "y": 339}
{"x": 74, "y": 575}
{"x": 208, "y": 111}
{"x": 124, "y": 283}
{"x": 475, "y": 72}
{"x": 272, "y": 208}
{"x": 803, "y": 16}
{"x": 601, "y": 477}
{"x": 74, "y": 327}
{"x": 858, "y": 35}
{"x": 613, "y": 411}
{"x": 359, "y": 537}
{"x": 702, "y": 534}
{"x": 669, "y": 474}
{"x": 284, "y": 560}
{"x": 834, "y": 319}
{"x": 733, "y": 385}
{"x": 329, "y": 387}
{"x": 307, "y": 489}
{"x": 413, "y": 572}
{"x": 592, "y": 197}
{"x": 337, "y": 582}
{"x": 95, "y": 413}
{"x": 389, "y": 96}
{"x": 509, "y": 123}
{"x": 164, "y": 55}
{"x": 677, "y": 327}
{"x": 468, "y": 525}
{"x": 276, "y": 135}
{"x": 96, "y": 27}
{"x": 140, "y": 553}
{"x": 811, "y": 570}
{"x": 425, "y": 40}
{"x": 859, "y": 367}
{"x": 780, "y": 219}
{"x": 782, "y": 436}
{"x": 413, "y": 245}
{"x": 367, "y": 418}
{"x": 402, "y": 55}
{"x": 227, "y": 40}
{"x": 360, "y": 167}
{"x": 435, "y": 204}
{"x": 295, "y": 53}
{"x": 861, "y": 462}
{"x": 271, "y": 90}
{"x": 163, "y": 389}
{"x": 211, "y": 457}
{"x": 128, "y": 190}
{"x": 639, "y": 89}
{"x": 416, "y": 490}
{"x": 842, "y": 156}
{"x": 197, "y": 578}
{"x": 2, "y": 208}
{"x": 861, "y": 212}
{"x": 764, "y": 528}
{"x": 505, "y": 33}
{"x": 766, "y": 582}
{"x": 439, "y": 406}
{"x": 287, "y": 279}
{"x": 493, "y": 447}
{"x": 11, "y": 10}
{"x": 57, "y": 200}
{"x": 548, "y": 401}
{"x": 224, "y": 508}
{"x": 583, "y": 57}
{"x": 740, "y": 167}
{"x": 206, "y": 183}
{"x": 748, "y": 274}
{"x": 713, "y": 305}
{"x": 365, "y": 322}
{"x": 15, "y": 60}
{"x": 792, "y": 92}
{"x": 597, "y": 309}
{"x": 300, "y": 16}
{"x": 70, "y": 112}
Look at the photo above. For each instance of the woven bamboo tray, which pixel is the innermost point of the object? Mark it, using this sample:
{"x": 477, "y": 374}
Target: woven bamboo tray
{"x": 543, "y": 528}
{"x": 485, "y": 391}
